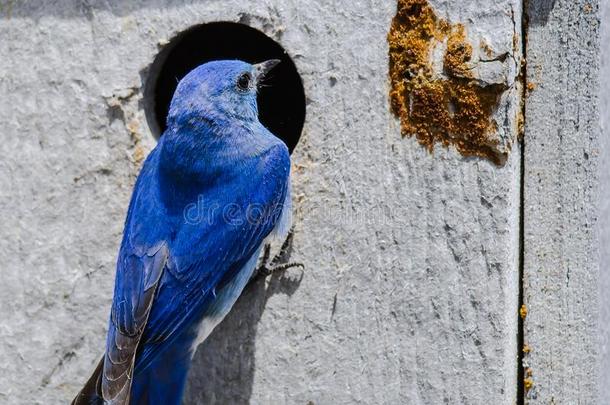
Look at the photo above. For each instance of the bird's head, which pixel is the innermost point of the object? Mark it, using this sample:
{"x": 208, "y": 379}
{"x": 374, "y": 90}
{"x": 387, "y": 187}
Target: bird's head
{"x": 219, "y": 90}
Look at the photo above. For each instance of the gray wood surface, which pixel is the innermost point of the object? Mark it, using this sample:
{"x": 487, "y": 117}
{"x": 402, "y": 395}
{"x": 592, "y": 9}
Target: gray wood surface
{"x": 560, "y": 206}
{"x": 411, "y": 283}
{"x": 604, "y": 207}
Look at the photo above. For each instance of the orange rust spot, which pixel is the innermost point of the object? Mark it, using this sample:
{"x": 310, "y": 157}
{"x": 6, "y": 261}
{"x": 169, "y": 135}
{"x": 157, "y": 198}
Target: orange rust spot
{"x": 453, "y": 110}
{"x": 523, "y": 311}
{"x": 458, "y": 53}
{"x": 528, "y": 381}
{"x": 520, "y": 125}
{"x": 531, "y": 86}
{"x": 488, "y": 51}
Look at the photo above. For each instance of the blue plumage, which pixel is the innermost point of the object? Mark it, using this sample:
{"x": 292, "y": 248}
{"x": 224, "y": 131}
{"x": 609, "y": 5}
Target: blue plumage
{"x": 208, "y": 196}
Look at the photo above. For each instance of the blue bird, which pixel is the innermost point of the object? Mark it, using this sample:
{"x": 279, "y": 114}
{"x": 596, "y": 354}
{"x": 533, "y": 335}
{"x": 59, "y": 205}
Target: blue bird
{"x": 211, "y": 194}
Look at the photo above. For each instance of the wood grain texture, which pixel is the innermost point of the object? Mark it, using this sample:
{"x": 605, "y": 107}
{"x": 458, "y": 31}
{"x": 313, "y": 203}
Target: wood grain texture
{"x": 561, "y": 182}
{"x": 410, "y": 291}
{"x": 604, "y": 207}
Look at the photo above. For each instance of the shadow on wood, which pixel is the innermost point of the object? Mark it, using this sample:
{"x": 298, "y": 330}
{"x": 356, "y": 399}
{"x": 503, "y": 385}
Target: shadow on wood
{"x": 538, "y": 11}
{"x": 223, "y": 367}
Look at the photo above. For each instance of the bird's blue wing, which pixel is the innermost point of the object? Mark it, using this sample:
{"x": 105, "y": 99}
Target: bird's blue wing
{"x": 134, "y": 295}
{"x": 169, "y": 269}
{"x": 139, "y": 269}
{"x": 208, "y": 255}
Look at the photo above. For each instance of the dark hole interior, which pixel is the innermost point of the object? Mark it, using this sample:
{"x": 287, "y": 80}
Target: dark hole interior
{"x": 281, "y": 103}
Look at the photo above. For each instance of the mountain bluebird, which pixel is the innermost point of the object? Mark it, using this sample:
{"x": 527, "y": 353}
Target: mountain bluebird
{"x": 210, "y": 195}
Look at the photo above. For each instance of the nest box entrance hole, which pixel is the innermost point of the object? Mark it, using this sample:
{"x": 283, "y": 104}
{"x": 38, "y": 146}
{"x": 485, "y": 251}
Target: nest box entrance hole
{"x": 281, "y": 102}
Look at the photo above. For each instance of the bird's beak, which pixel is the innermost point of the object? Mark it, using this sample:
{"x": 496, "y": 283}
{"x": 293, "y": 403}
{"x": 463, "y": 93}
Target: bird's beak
{"x": 261, "y": 69}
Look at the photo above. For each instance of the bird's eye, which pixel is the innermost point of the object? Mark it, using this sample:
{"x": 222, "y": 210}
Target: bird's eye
{"x": 243, "y": 81}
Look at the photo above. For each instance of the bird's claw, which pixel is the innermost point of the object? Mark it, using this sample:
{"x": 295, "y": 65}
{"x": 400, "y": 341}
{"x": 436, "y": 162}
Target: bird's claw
{"x": 268, "y": 267}
{"x": 265, "y": 271}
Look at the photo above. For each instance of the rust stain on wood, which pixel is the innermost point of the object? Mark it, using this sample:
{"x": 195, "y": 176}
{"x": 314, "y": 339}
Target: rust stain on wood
{"x": 452, "y": 108}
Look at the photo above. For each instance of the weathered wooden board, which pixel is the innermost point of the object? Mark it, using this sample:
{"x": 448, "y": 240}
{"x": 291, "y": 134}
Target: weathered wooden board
{"x": 604, "y": 206}
{"x": 410, "y": 292}
{"x": 560, "y": 200}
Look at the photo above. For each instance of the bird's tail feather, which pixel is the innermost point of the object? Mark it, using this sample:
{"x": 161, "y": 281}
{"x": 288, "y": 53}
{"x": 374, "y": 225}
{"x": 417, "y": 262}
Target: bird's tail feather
{"x": 163, "y": 381}
{"x": 91, "y": 394}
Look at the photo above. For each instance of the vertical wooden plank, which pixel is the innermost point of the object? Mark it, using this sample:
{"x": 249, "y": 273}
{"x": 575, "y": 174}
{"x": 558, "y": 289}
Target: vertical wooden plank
{"x": 561, "y": 182}
{"x": 604, "y": 208}
{"x": 410, "y": 292}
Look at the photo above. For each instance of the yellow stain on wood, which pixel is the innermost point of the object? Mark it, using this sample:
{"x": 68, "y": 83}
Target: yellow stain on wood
{"x": 133, "y": 127}
{"x": 453, "y": 110}
{"x": 588, "y": 8}
{"x": 138, "y": 154}
{"x": 531, "y": 86}
{"x": 520, "y": 126}
{"x": 528, "y": 381}
{"x": 487, "y": 49}
{"x": 459, "y": 52}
